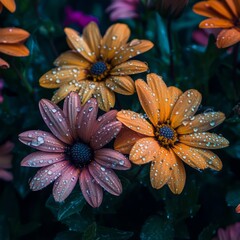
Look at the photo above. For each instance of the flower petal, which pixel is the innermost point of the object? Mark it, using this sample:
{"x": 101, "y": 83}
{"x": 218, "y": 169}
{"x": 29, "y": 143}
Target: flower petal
{"x": 177, "y": 179}
{"x": 42, "y": 159}
{"x": 129, "y": 67}
{"x": 144, "y": 150}
{"x": 13, "y": 35}
{"x": 59, "y": 76}
{"x": 9, "y": 4}
{"x": 6, "y": 148}
{"x": 130, "y": 50}
{"x": 126, "y": 139}
{"x": 79, "y": 45}
{"x": 71, "y": 108}
{"x": 110, "y": 158}
{"x": 212, "y": 160}
{"x": 148, "y": 100}
{"x": 185, "y": 107}
{"x": 42, "y": 141}
{"x": 174, "y": 93}
{"x": 6, "y": 161}
{"x": 201, "y": 122}
{"x": 64, "y": 185}
{"x": 47, "y": 175}
{"x": 191, "y": 156}
{"x": 105, "y": 135}
{"x": 92, "y": 36}
{"x": 56, "y": 121}
{"x": 17, "y": 49}
{"x": 86, "y": 90}
{"x": 86, "y": 119}
{"x": 91, "y": 190}
{"x": 71, "y": 58}
{"x": 3, "y": 64}
{"x": 135, "y": 122}
{"x": 105, "y": 97}
{"x": 116, "y": 36}
{"x": 106, "y": 178}
{"x": 234, "y": 5}
{"x": 228, "y": 37}
{"x": 5, "y": 175}
{"x": 216, "y": 23}
{"x": 121, "y": 84}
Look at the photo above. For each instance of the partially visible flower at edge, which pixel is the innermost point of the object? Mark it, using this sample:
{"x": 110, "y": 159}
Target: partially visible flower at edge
{"x": 6, "y": 160}
{"x": 9, "y": 4}
{"x": 173, "y": 135}
{"x": 223, "y": 15}
{"x": 11, "y": 43}
{"x": 232, "y": 232}
{"x": 201, "y": 36}
{"x": 121, "y": 9}
{"x": 97, "y": 66}
{"x": 78, "y": 17}
{"x": 1, "y": 88}
{"x": 74, "y": 151}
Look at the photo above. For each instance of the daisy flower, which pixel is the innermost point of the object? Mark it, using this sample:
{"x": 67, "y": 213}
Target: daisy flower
{"x": 11, "y": 43}
{"x": 97, "y": 66}
{"x": 172, "y": 135}
{"x": 9, "y": 4}
{"x": 224, "y": 15}
{"x": 74, "y": 151}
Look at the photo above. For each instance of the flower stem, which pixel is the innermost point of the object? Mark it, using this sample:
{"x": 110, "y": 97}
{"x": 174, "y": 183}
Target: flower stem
{"x": 169, "y": 33}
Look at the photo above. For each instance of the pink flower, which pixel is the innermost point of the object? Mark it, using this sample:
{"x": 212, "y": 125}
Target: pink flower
{"x": 232, "y": 232}
{"x": 1, "y": 88}
{"x": 6, "y": 160}
{"x": 74, "y": 151}
{"x": 77, "y": 17}
{"x": 120, "y": 9}
{"x": 201, "y": 36}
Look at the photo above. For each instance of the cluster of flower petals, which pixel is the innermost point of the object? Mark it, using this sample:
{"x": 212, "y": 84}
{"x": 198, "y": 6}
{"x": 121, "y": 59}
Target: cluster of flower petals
{"x": 9, "y": 4}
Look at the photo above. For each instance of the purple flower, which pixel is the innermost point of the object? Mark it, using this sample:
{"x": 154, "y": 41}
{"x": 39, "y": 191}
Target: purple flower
{"x": 1, "y": 88}
{"x": 74, "y": 151}
{"x": 78, "y": 17}
{"x": 232, "y": 232}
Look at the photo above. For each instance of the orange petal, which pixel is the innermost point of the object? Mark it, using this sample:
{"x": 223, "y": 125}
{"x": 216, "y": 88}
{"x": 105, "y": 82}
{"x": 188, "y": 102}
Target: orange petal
{"x": 17, "y": 50}
{"x": 79, "y": 44}
{"x": 160, "y": 90}
{"x": 62, "y": 75}
{"x": 237, "y": 209}
{"x": 105, "y": 97}
{"x": 3, "y": 64}
{"x": 204, "y": 140}
{"x": 62, "y": 92}
{"x": 121, "y": 84}
{"x": 144, "y": 150}
{"x": 9, "y": 4}
{"x": 71, "y": 58}
{"x": 115, "y": 37}
{"x": 201, "y": 122}
{"x": 212, "y": 160}
{"x": 129, "y": 67}
{"x": 191, "y": 156}
{"x": 1, "y": 7}
{"x": 185, "y": 107}
{"x": 174, "y": 94}
{"x": 126, "y": 139}
{"x": 130, "y": 50}
{"x": 216, "y": 23}
{"x": 177, "y": 179}
{"x": 92, "y": 36}
{"x": 228, "y": 37}
{"x": 86, "y": 90}
{"x": 161, "y": 168}
{"x": 148, "y": 100}
{"x": 135, "y": 122}
{"x": 13, "y": 35}
{"x": 234, "y": 5}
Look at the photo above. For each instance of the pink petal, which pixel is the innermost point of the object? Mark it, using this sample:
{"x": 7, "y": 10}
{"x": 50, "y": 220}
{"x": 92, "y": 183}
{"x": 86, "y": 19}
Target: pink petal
{"x": 106, "y": 178}
{"x": 105, "y": 134}
{"x": 6, "y": 161}
{"x": 6, "y": 148}
{"x": 47, "y": 175}
{"x": 64, "y": 185}
{"x": 111, "y": 159}
{"x": 71, "y": 107}
{"x": 86, "y": 119}
{"x": 41, "y": 140}
{"x": 91, "y": 191}
{"x": 5, "y": 175}
{"x": 55, "y": 120}
{"x": 42, "y": 159}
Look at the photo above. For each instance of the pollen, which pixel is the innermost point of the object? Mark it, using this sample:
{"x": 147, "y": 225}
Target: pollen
{"x": 99, "y": 70}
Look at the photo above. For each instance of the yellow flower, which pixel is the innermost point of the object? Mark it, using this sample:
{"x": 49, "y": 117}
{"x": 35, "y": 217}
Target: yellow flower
{"x": 9, "y": 4}
{"x": 172, "y": 135}
{"x": 97, "y": 66}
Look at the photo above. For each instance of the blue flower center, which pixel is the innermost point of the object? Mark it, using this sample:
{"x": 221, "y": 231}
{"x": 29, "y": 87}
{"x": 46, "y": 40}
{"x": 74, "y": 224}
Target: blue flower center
{"x": 98, "y": 68}
{"x": 80, "y": 154}
{"x": 166, "y": 132}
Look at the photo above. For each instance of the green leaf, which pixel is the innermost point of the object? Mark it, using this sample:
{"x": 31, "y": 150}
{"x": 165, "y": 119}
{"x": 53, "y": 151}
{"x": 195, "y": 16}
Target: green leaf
{"x": 157, "y": 228}
{"x": 207, "y": 233}
{"x": 104, "y": 233}
{"x": 90, "y": 232}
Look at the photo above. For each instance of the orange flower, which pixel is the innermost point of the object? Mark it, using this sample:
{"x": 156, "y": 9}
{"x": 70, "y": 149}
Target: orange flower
{"x": 9, "y": 4}
{"x": 223, "y": 14}
{"x": 11, "y": 43}
{"x": 97, "y": 66}
{"x": 172, "y": 135}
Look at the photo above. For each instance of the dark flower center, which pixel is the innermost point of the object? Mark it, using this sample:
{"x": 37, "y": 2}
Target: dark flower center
{"x": 98, "y": 68}
{"x": 166, "y": 132}
{"x": 80, "y": 154}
